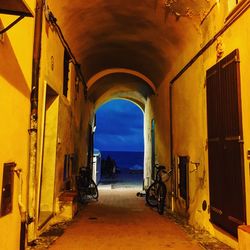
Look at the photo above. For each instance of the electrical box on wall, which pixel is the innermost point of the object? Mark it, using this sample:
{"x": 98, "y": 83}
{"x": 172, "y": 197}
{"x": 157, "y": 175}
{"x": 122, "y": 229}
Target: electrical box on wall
{"x": 248, "y": 154}
{"x": 7, "y": 188}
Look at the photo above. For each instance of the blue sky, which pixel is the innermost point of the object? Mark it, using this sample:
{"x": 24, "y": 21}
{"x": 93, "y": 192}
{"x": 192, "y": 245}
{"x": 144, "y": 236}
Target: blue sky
{"x": 119, "y": 127}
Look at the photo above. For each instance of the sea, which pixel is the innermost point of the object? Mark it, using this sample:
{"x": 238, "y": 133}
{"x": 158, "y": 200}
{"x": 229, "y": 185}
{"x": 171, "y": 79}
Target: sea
{"x": 128, "y": 164}
{"x": 125, "y": 159}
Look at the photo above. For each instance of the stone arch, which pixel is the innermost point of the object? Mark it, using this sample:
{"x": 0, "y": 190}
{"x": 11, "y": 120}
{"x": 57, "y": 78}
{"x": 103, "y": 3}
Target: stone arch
{"x": 139, "y": 104}
{"x": 134, "y": 73}
{"x": 132, "y": 96}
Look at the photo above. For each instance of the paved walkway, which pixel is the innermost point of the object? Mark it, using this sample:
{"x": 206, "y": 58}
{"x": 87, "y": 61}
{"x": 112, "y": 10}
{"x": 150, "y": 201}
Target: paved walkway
{"x": 121, "y": 221}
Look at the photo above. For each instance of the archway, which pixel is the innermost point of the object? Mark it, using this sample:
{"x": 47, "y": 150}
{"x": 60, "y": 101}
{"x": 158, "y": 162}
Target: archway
{"x": 119, "y": 144}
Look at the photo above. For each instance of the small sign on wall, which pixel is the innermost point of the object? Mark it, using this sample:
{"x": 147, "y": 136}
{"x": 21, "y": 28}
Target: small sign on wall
{"x": 248, "y": 154}
{"x": 7, "y": 188}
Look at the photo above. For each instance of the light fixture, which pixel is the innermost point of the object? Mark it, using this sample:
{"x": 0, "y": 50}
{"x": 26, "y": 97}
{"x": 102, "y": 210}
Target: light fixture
{"x": 14, "y": 7}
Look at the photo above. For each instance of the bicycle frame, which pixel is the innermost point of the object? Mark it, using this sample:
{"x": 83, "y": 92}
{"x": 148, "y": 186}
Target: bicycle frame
{"x": 86, "y": 187}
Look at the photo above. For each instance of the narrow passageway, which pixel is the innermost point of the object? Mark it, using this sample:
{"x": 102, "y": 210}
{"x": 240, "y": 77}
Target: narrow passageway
{"x": 120, "y": 220}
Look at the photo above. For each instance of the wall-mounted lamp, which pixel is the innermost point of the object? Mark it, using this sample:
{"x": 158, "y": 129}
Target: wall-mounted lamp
{"x": 14, "y": 7}
{"x": 197, "y": 164}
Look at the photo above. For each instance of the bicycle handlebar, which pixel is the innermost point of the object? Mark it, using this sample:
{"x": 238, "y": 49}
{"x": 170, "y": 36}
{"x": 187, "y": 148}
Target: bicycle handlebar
{"x": 160, "y": 167}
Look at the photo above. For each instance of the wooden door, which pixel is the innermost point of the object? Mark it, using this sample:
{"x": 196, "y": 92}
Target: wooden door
{"x": 225, "y": 144}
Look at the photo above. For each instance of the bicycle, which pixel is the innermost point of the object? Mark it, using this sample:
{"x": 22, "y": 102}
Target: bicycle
{"x": 157, "y": 191}
{"x": 86, "y": 187}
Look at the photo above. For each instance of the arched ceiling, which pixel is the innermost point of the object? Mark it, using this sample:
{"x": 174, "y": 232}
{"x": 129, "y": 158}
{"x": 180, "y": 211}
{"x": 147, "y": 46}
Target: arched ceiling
{"x": 145, "y": 36}
{"x": 119, "y": 82}
{"x": 119, "y": 85}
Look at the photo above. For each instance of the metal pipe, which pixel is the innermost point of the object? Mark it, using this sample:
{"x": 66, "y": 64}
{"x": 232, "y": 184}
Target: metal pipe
{"x": 21, "y": 206}
{"x": 31, "y": 192}
{"x": 22, "y": 209}
{"x": 171, "y": 145}
{"x": 171, "y": 124}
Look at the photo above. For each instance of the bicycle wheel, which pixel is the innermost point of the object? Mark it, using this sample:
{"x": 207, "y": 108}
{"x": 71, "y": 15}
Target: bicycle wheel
{"x": 81, "y": 195}
{"x": 151, "y": 194}
{"x": 93, "y": 190}
{"x": 161, "y": 193}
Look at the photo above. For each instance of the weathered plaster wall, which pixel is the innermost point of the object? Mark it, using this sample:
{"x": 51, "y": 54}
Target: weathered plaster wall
{"x": 157, "y": 109}
{"x": 189, "y": 114}
{"x": 237, "y": 36}
{"x": 162, "y": 124}
{"x": 86, "y": 121}
{"x": 50, "y": 78}
{"x": 15, "y": 82}
{"x": 189, "y": 138}
{"x": 67, "y": 125}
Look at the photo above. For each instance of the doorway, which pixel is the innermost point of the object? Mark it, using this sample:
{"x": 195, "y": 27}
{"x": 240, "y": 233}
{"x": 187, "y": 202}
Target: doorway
{"x": 46, "y": 203}
{"x": 120, "y": 141}
{"x": 153, "y": 170}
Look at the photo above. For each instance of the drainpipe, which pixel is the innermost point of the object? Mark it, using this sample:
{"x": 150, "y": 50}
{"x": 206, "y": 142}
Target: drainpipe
{"x": 171, "y": 144}
{"x": 33, "y": 121}
{"x": 22, "y": 209}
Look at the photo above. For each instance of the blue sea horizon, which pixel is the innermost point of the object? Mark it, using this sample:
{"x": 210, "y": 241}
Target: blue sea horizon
{"x": 125, "y": 159}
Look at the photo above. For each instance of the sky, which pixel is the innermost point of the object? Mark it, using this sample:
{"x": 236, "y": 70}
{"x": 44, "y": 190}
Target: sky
{"x": 119, "y": 127}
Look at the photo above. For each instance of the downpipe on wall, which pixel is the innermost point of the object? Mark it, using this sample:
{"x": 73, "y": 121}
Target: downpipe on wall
{"x": 22, "y": 209}
{"x": 31, "y": 190}
{"x": 171, "y": 145}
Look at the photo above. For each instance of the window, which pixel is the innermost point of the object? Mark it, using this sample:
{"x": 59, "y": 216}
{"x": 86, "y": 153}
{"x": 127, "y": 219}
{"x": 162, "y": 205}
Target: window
{"x": 66, "y": 73}
{"x": 184, "y": 178}
{"x": 232, "y": 4}
{"x": 225, "y": 144}
{"x": 69, "y": 170}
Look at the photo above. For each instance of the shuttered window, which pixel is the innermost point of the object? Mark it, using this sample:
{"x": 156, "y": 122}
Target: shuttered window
{"x": 225, "y": 144}
{"x": 66, "y": 73}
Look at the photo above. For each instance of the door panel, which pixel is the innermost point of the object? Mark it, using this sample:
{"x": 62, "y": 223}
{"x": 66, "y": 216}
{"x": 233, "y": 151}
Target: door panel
{"x": 225, "y": 144}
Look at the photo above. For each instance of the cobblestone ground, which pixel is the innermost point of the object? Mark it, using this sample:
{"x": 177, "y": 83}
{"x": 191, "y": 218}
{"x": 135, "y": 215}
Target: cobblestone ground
{"x": 121, "y": 221}
{"x": 206, "y": 240}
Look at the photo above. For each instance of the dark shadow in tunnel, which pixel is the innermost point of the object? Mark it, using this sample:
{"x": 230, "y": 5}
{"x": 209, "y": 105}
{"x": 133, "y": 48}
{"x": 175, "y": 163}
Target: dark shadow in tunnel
{"x": 140, "y": 56}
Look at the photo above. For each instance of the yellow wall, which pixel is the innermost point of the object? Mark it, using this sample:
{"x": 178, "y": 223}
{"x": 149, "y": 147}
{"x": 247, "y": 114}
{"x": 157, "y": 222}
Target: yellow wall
{"x": 67, "y": 135}
{"x": 189, "y": 114}
{"x": 15, "y": 82}
{"x": 49, "y": 155}
{"x": 189, "y": 136}
{"x": 162, "y": 123}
